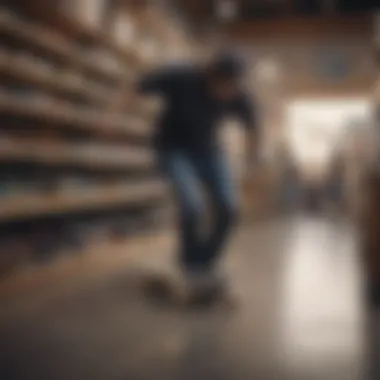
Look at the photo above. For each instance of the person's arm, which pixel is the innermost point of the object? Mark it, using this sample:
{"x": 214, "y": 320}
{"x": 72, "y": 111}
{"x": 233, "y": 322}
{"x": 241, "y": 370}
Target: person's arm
{"x": 153, "y": 83}
{"x": 160, "y": 82}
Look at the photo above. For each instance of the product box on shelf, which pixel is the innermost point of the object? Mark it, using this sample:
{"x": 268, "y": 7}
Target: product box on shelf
{"x": 123, "y": 30}
{"x": 90, "y": 13}
{"x": 105, "y": 60}
{"x": 28, "y": 62}
{"x": 148, "y": 49}
{"x": 14, "y": 92}
{"x": 72, "y": 77}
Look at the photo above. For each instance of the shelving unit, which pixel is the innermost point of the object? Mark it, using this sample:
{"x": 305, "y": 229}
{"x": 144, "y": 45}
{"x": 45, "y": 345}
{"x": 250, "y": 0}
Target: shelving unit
{"x": 81, "y": 118}
{"x": 33, "y": 75}
{"x": 83, "y": 155}
{"x": 29, "y": 206}
{"x": 73, "y": 158}
{"x": 51, "y": 43}
{"x": 56, "y": 44}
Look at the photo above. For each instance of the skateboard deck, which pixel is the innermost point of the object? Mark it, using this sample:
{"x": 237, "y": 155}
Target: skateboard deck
{"x": 168, "y": 291}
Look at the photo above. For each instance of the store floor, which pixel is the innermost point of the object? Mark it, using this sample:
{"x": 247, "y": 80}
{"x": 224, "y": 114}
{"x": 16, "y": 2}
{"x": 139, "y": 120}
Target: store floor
{"x": 299, "y": 317}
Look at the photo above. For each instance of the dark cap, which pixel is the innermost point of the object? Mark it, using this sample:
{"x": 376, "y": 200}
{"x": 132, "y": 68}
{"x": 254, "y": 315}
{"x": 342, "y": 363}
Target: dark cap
{"x": 228, "y": 65}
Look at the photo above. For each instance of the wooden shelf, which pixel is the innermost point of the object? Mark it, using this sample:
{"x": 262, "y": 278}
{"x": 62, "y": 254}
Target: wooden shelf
{"x": 70, "y": 62}
{"x": 91, "y": 156}
{"x": 68, "y": 25}
{"x": 62, "y": 48}
{"x": 50, "y": 81}
{"x": 127, "y": 55}
{"x": 52, "y": 43}
{"x": 65, "y": 113}
{"x": 30, "y": 206}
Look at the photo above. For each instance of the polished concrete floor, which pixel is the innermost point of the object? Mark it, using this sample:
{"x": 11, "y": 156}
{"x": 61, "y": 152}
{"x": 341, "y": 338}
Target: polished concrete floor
{"x": 299, "y": 317}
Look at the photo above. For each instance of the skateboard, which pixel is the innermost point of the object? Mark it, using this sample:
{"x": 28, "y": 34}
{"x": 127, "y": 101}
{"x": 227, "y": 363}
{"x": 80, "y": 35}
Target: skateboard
{"x": 168, "y": 291}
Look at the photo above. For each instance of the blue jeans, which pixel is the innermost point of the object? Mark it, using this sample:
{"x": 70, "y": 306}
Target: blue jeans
{"x": 190, "y": 174}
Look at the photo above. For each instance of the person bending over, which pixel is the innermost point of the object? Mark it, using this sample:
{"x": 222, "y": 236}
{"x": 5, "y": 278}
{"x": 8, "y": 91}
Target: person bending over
{"x": 197, "y": 98}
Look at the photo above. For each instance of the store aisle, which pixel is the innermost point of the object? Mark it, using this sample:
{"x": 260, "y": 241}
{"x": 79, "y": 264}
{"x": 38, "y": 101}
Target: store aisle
{"x": 299, "y": 318}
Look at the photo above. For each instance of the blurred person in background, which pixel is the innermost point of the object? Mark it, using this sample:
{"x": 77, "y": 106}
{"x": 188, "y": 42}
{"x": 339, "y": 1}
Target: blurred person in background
{"x": 196, "y": 99}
